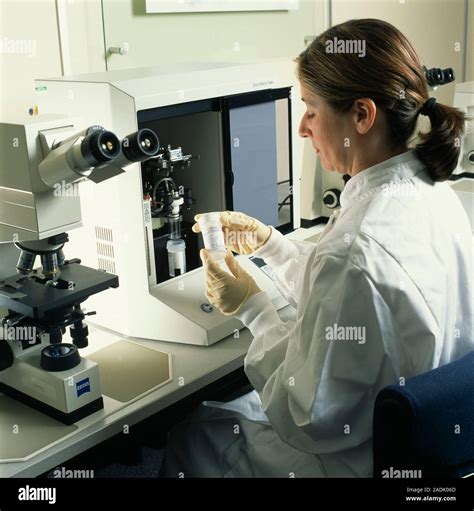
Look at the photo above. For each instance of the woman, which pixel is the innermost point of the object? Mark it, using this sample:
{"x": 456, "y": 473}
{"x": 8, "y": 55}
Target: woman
{"x": 384, "y": 295}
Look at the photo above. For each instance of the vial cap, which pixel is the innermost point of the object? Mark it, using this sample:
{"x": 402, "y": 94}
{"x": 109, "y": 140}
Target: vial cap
{"x": 210, "y": 218}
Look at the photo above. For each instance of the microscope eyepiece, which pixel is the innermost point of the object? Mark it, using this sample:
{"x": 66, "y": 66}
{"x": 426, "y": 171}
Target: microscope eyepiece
{"x": 141, "y": 145}
{"x": 449, "y": 75}
{"x": 437, "y": 76}
{"x": 100, "y": 146}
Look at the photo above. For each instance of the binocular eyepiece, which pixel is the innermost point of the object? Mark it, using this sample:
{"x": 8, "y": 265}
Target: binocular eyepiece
{"x": 136, "y": 147}
{"x": 436, "y": 76}
{"x": 96, "y": 154}
{"x": 100, "y": 146}
{"x": 141, "y": 145}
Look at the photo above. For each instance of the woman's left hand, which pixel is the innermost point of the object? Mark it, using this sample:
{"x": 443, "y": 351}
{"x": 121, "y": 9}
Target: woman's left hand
{"x": 224, "y": 291}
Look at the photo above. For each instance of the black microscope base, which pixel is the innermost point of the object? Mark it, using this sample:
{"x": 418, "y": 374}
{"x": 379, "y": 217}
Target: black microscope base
{"x": 65, "y": 418}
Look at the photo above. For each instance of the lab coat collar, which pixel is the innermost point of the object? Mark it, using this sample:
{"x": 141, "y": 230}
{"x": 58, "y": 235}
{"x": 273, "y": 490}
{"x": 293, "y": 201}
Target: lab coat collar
{"x": 399, "y": 168}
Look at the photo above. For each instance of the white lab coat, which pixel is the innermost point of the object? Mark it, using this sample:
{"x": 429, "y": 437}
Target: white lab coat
{"x": 384, "y": 295}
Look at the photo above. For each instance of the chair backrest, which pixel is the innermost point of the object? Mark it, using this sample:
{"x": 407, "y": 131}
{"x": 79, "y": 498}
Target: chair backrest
{"x": 425, "y": 428}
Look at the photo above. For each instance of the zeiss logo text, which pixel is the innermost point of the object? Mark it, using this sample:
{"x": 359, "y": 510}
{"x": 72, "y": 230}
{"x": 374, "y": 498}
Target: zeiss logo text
{"x": 83, "y": 386}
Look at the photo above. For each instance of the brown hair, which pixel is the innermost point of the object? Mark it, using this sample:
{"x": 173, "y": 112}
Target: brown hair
{"x": 390, "y": 73}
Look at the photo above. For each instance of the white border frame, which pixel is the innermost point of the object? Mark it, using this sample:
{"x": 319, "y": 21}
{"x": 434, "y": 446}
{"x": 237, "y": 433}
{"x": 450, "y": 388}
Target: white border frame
{"x": 177, "y": 6}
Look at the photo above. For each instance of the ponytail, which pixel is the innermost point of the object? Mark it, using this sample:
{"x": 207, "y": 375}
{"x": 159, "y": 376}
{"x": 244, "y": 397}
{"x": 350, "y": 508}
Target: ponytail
{"x": 440, "y": 148}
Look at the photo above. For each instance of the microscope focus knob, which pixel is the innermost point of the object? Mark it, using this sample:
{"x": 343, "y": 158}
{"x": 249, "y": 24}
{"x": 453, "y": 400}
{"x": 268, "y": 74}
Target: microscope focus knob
{"x": 6, "y": 355}
{"x": 80, "y": 334}
{"x": 331, "y": 198}
{"x": 60, "y": 357}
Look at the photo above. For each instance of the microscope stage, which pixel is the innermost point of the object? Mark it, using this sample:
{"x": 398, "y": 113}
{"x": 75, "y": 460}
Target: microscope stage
{"x": 30, "y": 295}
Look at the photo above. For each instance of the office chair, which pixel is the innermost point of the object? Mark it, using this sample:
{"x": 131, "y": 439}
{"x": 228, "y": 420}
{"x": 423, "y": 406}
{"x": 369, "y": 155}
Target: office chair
{"x": 425, "y": 428}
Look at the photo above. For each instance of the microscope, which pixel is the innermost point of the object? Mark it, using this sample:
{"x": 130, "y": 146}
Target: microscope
{"x": 43, "y": 161}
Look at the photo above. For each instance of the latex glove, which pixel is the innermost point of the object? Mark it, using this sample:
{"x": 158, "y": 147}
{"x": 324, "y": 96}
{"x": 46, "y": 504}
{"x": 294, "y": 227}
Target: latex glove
{"x": 242, "y": 234}
{"x": 224, "y": 291}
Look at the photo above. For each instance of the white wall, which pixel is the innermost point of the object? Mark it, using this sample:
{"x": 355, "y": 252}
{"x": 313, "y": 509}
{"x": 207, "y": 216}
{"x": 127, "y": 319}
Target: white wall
{"x": 29, "y": 47}
{"x": 85, "y": 32}
{"x": 153, "y": 39}
{"x": 36, "y": 22}
{"x": 229, "y": 36}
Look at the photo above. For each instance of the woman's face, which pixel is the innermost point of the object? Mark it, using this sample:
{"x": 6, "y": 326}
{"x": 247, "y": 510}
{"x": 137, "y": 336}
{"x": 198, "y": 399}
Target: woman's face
{"x": 330, "y": 132}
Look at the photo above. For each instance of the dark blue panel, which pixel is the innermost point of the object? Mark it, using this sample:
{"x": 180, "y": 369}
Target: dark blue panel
{"x": 254, "y": 161}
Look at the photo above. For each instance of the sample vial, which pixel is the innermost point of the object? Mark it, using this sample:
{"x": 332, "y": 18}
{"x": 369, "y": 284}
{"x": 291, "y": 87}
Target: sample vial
{"x": 176, "y": 257}
{"x": 211, "y": 229}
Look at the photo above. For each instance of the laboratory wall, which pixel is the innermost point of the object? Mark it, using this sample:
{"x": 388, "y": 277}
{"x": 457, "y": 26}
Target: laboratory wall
{"x": 29, "y": 47}
{"x": 219, "y": 36}
{"x": 44, "y": 38}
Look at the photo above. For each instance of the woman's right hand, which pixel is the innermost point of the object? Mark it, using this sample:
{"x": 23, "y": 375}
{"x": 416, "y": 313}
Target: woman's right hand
{"x": 243, "y": 234}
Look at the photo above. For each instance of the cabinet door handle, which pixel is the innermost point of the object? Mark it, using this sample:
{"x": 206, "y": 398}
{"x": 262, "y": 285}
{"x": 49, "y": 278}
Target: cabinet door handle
{"x": 120, "y": 50}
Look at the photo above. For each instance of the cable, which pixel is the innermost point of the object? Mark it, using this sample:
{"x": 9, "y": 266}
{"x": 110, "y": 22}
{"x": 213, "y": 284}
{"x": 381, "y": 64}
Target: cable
{"x": 281, "y": 204}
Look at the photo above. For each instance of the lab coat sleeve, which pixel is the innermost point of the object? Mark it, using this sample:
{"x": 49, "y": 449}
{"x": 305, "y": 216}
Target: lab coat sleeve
{"x": 287, "y": 258}
{"x": 318, "y": 383}
{"x": 270, "y": 336}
